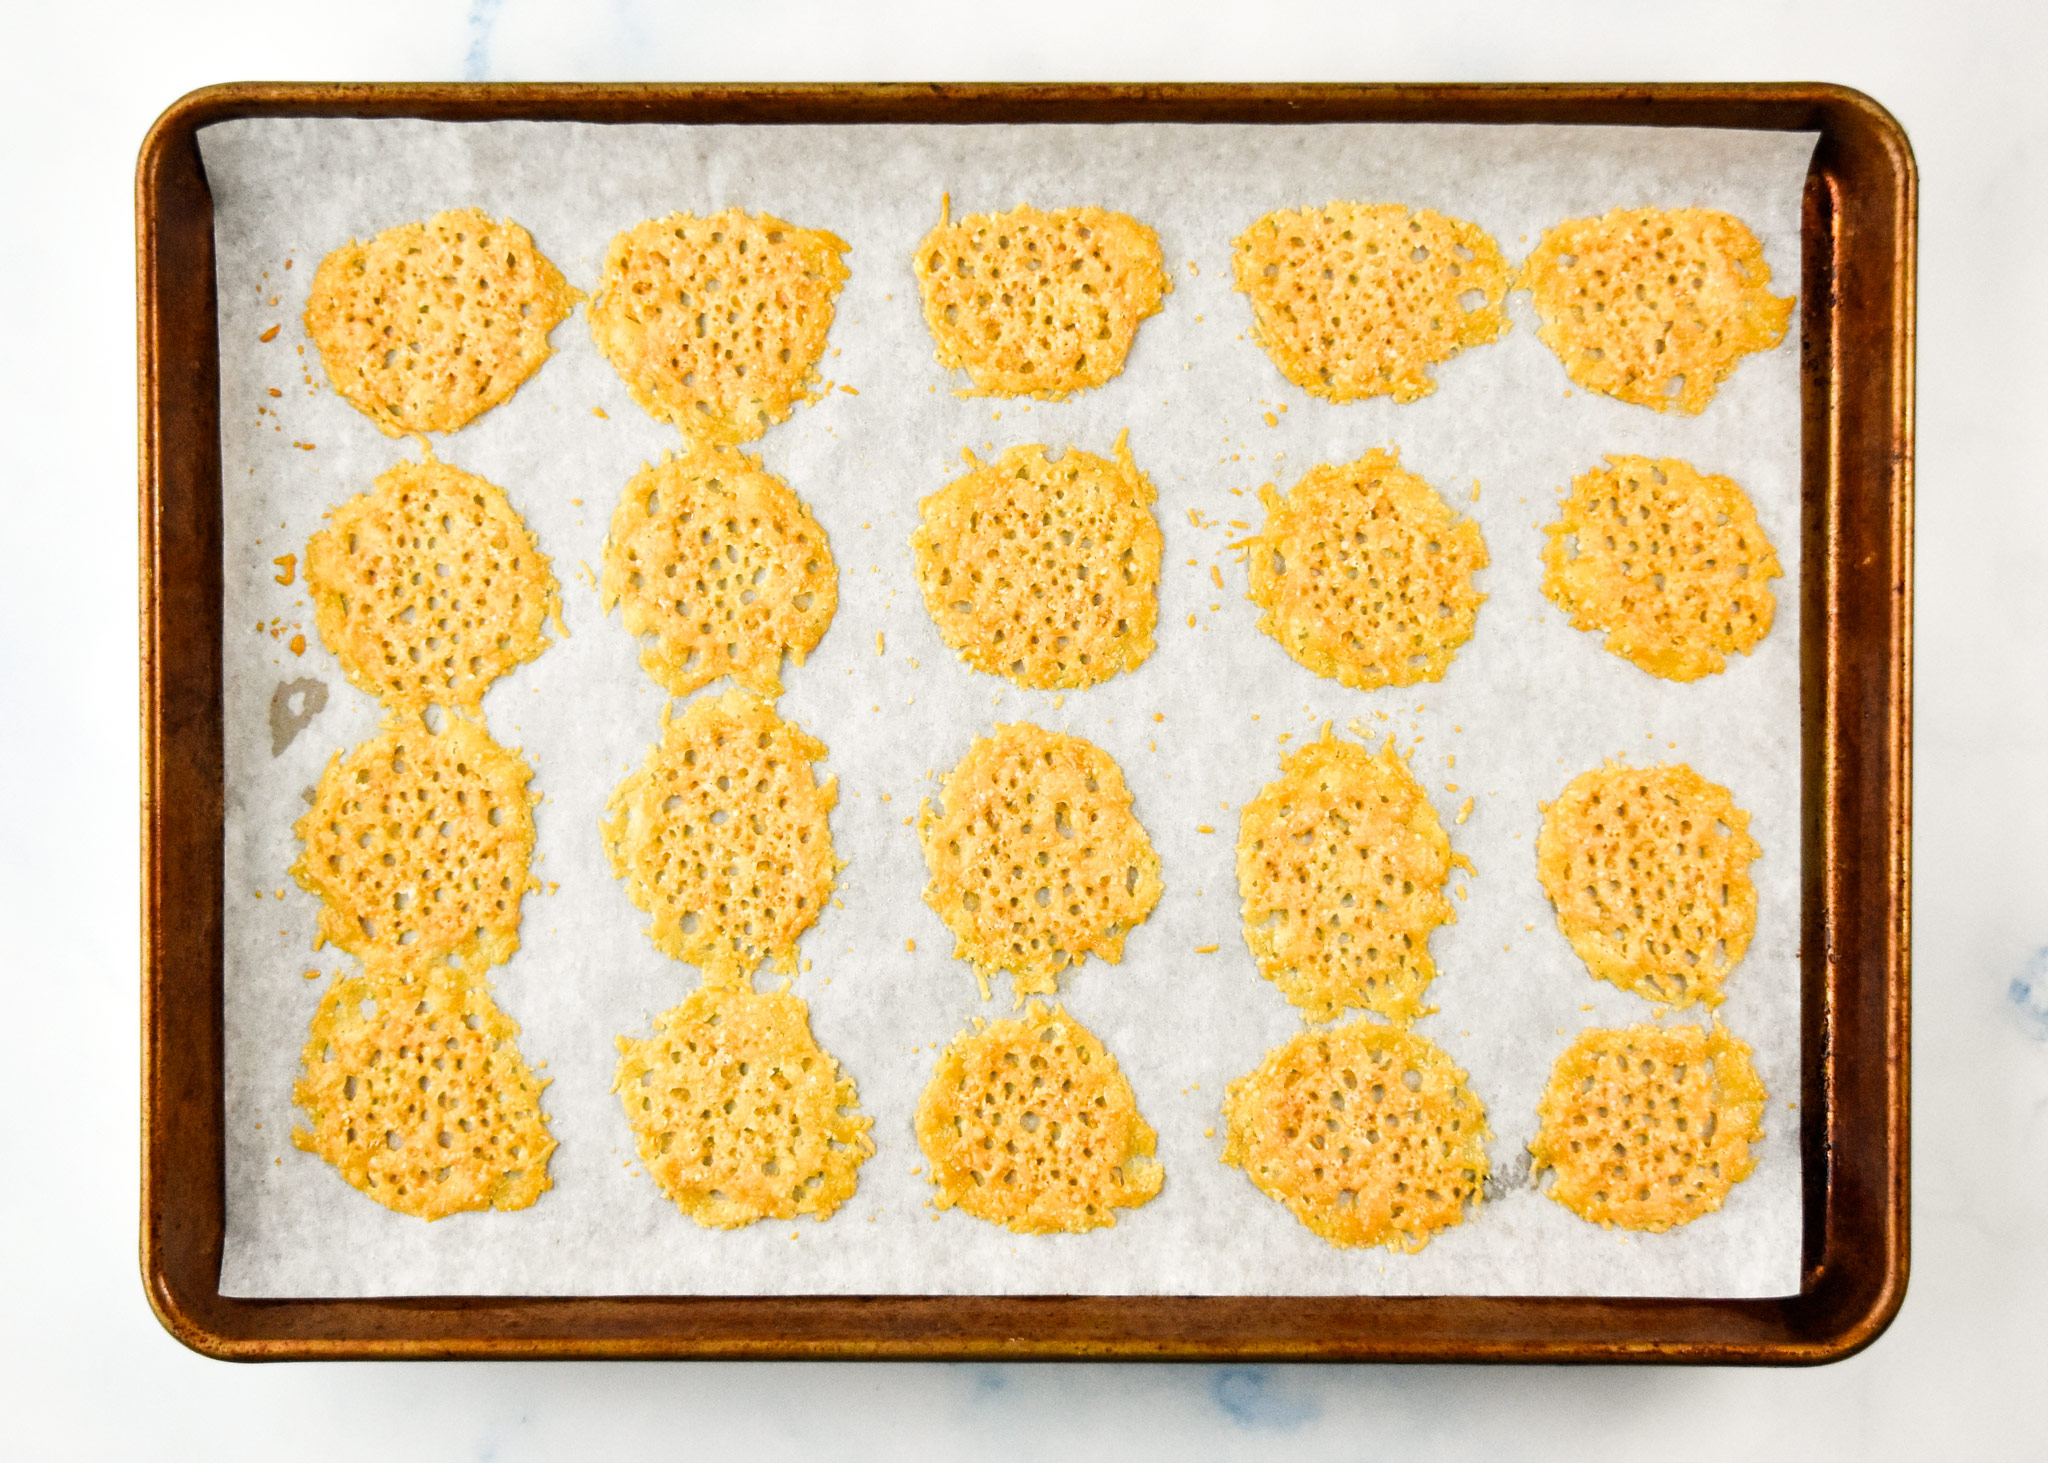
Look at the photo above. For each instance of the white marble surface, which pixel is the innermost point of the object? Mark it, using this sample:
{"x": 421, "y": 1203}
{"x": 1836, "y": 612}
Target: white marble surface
{"x": 87, "y": 1372}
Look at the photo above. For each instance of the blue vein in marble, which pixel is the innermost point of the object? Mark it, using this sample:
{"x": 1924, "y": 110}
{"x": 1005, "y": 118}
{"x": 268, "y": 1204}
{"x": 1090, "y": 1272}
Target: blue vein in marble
{"x": 1252, "y": 1398}
{"x": 483, "y": 14}
{"x": 2029, "y": 992}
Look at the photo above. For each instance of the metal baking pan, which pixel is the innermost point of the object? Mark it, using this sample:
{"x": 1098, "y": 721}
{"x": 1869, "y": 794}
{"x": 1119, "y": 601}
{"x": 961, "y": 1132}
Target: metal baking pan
{"x": 1856, "y": 367}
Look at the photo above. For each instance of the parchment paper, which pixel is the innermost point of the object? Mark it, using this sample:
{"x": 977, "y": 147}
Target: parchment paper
{"x": 1528, "y": 703}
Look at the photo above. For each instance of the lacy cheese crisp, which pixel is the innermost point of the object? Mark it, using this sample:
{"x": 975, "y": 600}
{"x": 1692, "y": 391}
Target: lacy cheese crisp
{"x": 417, "y": 1094}
{"x": 1669, "y": 562}
{"x": 1045, "y": 570}
{"x": 431, "y": 324}
{"x": 1361, "y": 299}
{"x": 429, "y": 587}
{"x": 1031, "y": 303}
{"x": 1028, "y": 1123}
{"x": 738, "y": 1114}
{"x": 1036, "y": 860}
{"x": 418, "y": 847}
{"x": 721, "y": 836}
{"x": 1341, "y": 864}
{"x": 1648, "y": 869}
{"x": 720, "y": 570}
{"x": 1654, "y": 306}
{"x": 1364, "y": 573}
{"x": 1366, "y": 1133}
{"x": 716, "y": 324}
{"x": 1649, "y": 1127}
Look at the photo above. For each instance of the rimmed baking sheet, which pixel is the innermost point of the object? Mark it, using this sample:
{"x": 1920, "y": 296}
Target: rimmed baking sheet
{"x": 1526, "y": 705}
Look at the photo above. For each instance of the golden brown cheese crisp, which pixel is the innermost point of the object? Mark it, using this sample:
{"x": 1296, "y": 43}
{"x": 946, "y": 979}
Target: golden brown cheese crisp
{"x": 1649, "y": 1127}
{"x": 722, "y": 836}
{"x": 1365, "y": 573}
{"x": 1361, "y": 299}
{"x": 1652, "y": 305}
{"x": 1030, "y": 1124}
{"x": 431, "y": 324}
{"x": 1043, "y": 570}
{"x": 429, "y": 587}
{"x": 1367, "y": 1133}
{"x": 1036, "y": 860}
{"x": 418, "y": 847}
{"x": 1648, "y": 869}
{"x": 1031, "y": 303}
{"x": 716, "y": 324}
{"x": 721, "y": 570}
{"x": 1341, "y": 865}
{"x": 738, "y": 1114}
{"x": 1670, "y": 562}
{"x": 417, "y": 1094}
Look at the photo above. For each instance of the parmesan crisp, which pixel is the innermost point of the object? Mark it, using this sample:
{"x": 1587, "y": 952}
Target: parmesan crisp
{"x": 1670, "y": 562}
{"x": 1650, "y": 1127}
{"x": 1365, "y": 573}
{"x": 722, "y": 836}
{"x": 1362, "y": 299}
{"x": 1366, "y": 1133}
{"x": 1648, "y": 869}
{"x": 1031, "y": 303}
{"x": 1029, "y": 1123}
{"x": 416, "y": 1093}
{"x": 1036, "y": 860}
{"x": 429, "y": 587}
{"x": 1654, "y": 306}
{"x": 419, "y": 847}
{"x": 431, "y": 324}
{"x": 717, "y": 324}
{"x": 738, "y": 1114}
{"x": 1341, "y": 864}
{"x": 1043, "y": 570}
{"x": 719, "y": 569}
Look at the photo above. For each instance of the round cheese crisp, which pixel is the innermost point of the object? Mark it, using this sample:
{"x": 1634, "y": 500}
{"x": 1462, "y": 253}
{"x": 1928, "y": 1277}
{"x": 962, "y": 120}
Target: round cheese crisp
{"x": 1036, "y": 859}
{"x": 1361, "y": 299}
{"x": 418, "y": 847}
{"x": 1029, "y": 1124}
{"x": 1365, "y": 574}
{"x": 716, "y": 324}
{"x": 1341, "y": 864}
{"x": 1652, "y": 305}
{"x": 1366, "y": 1133}
{"x": 1043, "y": 570}
{"x": 1649, "y": 1127}
{"x": 720, "y": 570}
{"x": 1648, "y": 869}
{"x": 1031, "y": 303}
{"x": 738, "y": 1114}
{"x": 431, "y": 324}
{"x": 417, "y": 1094}
{"x": 429, "y": 587}
{"x": 1671, "y": 563}
{"x": 721, "y": 836}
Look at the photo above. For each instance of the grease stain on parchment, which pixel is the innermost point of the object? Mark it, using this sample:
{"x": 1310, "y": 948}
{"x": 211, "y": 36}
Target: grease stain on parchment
{"x": 293, "y": 705}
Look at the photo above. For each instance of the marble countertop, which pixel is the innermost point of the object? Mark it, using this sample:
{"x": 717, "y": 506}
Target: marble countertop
{"x": 89, "y": 1373}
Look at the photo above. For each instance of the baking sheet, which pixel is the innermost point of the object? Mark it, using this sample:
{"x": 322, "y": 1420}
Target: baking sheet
{"x": 1527, "y": 704}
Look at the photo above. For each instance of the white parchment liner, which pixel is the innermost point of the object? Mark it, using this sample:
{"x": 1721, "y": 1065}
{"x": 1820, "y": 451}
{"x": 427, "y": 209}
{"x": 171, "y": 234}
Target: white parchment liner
{"x": 1528, "y": 703}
